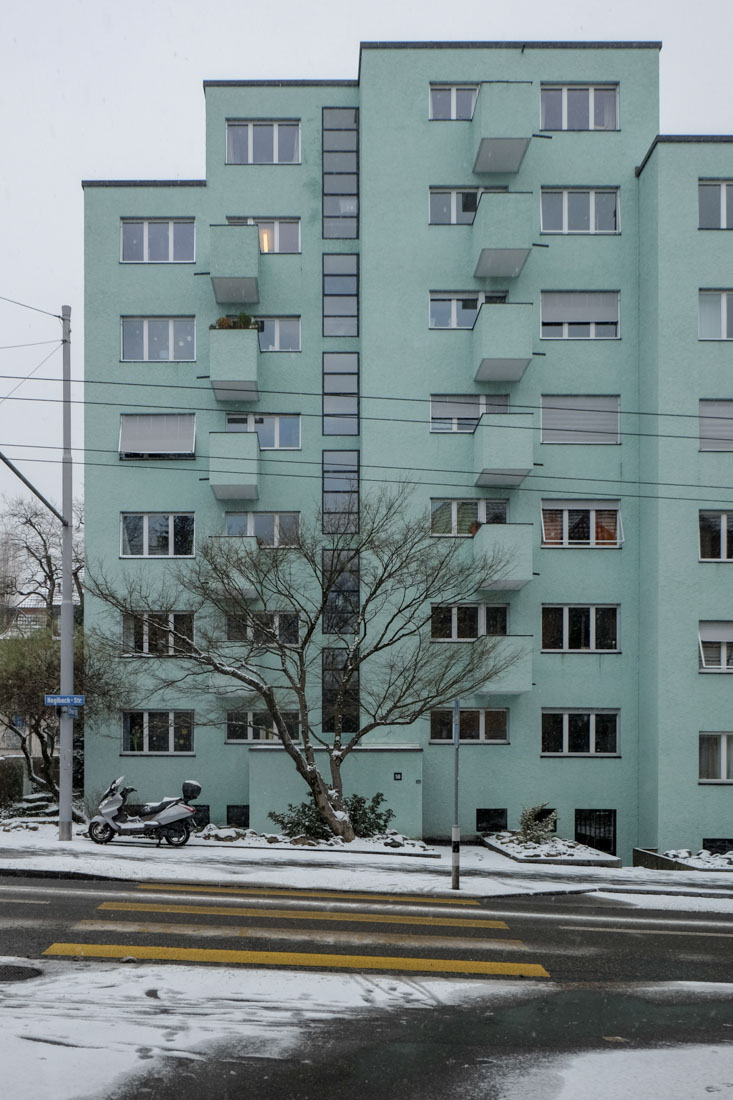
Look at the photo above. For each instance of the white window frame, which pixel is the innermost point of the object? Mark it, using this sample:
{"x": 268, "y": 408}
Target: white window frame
{"x": 145, "y": 751}
{"x": 251, "y": 523}
{"x": 592, "y": 191}
{"x": 236, "y": 123}
{"x": 564, "y": 327}
{"x": 276, "y": 335}
{"x": 482, "y": 609}
{"x": 454, "y": 299}
{"x": 726, "y": 544}
{"x": 590, "y": 410}
{"x": 171, "y": 341}
{"x": 591, "y": 609}
{"x": 173, "y": 630}
{"x": 249, "y": 628}
{"x": 724, "y": 315}
{"x": 482, "y": 737}
{"x": 185, "y": 426}
{"x": 171, "y": 536}
{"x": 715, "y": 646}
{"x": 485, "y": 403}
{"x": 275, "y": 223}
{"x": 452, "y": 88}
{"x": 145, "y": 222}
{"x": 264, "y": 733}
{"x": 454, "y": 192}
{"x": 725, "y": 754}
{"x": 250, "y": 419}
{"x": 716, "y": 425}
{"x": 722, "y": 186}
{"x": 590, "y": 506}
{"x": 592, "y": 713}
{"x": 481, "y": 512}
{"x": 591, "y": 89}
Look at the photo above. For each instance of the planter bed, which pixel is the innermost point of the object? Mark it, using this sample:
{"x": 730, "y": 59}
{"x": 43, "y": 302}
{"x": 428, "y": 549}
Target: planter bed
{"x": 554, "y": 851}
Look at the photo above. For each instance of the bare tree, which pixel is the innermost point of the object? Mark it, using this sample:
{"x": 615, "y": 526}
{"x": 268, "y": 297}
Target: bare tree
{"x": 336, "y": 629}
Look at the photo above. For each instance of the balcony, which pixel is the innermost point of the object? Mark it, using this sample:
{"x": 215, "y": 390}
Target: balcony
{"x": 509, "y": 547}
{"x": 516, "y": 677}
{"x": 502, "y": 342}
{"x": 234, "y": 459}
{"x": 234, "y": 263}
{"x": 233, "y": 364}
{"x": 503, "y": 125}
{"x": 502, "y": 232}
{"x": 503, "y": 449}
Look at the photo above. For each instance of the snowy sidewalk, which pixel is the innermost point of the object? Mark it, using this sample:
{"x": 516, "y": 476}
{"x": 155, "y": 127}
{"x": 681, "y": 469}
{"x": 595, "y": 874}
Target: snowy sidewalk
{"x": 360, "y": 867}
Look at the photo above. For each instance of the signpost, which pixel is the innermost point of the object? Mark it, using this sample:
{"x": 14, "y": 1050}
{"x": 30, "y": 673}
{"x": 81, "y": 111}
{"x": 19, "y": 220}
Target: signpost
{"x": 456, "y": 830}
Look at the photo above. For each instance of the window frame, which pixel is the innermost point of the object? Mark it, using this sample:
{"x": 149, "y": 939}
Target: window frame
{"x": 251, "y": 523}
{"x": 725, "y": 758}
{"x": 591, "y": 89}
{"x": 172, "y": 720}
{"x": 241, "y": 123}
{"x": 251, "y": 419}
{"x": 482, "y": 510}
{"x": 482, "y": 738}
{"x": 592, "y": 713}
{"x": 146, "y": 222}
{"x": 590, "y": 506}
{"x": 172, "y": 321}
{"x": 725, "y": 314}
{"x": 347, "y": 417}
{"x": 721, "y": 443}
{"x": 275, "y": 223}
{"x": 725, "y": 534}
{"x": 466, "y": 425}
{"x": 725, "y": 203}
{"x": 467, "y": 86}
{"x": 571, "y": 404}
{"x": 249, "y": 723}
{"x": 275, "y": 348}
{"x": 348, "y": 262}
{"x": 145, "y": 516}
{"x": 710, "y": 646}
{"x": 340, "y": 211}
{"x": 592, "y": 610}
{"x": 340, "y": 472}
{"x": 241, "y": 629}
{"x": 565, "y": 332}
{"x": 482, "y": 616}
{"x": 592, "y": 192}
{"x": 153, "y": 454}
{"x": 454, "y": 192}
{"x": 142, "y": 619}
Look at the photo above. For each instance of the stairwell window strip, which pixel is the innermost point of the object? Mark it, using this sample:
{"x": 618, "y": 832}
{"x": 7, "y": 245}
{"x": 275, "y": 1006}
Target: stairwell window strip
{"x": 582, "y": 523}
{"x": 261, "y": 141}
{"x": 340, "y": 492}
{"x": 157, "y": 731}
{"x": 157, "y": 241}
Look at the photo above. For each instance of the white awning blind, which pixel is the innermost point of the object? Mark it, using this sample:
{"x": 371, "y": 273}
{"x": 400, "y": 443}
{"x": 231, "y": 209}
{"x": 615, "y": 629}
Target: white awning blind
{"x": 716, "y": 631}
{"x": 716, "y": 425}
{"x": 580, "y": 418}
{"x": 582, "y": 306}
{"x": 166, "y": 433}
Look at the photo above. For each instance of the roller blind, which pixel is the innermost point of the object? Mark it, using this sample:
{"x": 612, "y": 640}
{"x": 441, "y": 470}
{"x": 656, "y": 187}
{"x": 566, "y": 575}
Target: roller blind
{"x": 716, "y": 425}
{"x": 575, "y": 418}
{"x": 166, "y": 433}
{"x": 581, "y": 306}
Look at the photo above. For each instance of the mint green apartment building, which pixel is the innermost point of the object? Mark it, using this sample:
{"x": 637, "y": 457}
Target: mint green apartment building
{"x": 477, "y": 267}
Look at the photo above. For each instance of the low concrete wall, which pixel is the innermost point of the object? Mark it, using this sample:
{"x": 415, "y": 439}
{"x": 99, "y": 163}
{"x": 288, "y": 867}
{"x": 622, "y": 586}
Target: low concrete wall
{"x": 643, "y": 857}
{"x": 602, "y": 861}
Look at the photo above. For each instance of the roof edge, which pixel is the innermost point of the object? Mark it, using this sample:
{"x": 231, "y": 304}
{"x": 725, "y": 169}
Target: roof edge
{"x": 143, "y": 183}
{"x": 683, "y": 139}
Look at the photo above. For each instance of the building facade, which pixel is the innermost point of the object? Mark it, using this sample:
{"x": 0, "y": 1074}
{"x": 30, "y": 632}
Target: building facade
{"x": 479, "y": 268}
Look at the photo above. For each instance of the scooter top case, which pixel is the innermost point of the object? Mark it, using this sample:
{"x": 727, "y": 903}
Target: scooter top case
{"x": 191, "y": 790}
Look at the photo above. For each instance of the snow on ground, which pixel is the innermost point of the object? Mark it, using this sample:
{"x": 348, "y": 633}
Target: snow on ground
{"x": 553, "y": 847}
{"x": 703, "y": 859}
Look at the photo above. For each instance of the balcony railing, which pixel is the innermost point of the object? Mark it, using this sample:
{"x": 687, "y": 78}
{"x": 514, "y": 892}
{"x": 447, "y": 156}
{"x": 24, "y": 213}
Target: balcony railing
{"x": 502, "y": 341}
{"x": 503, "y": 125}
{"x": 234, "y": 263}
{"x": 234, "y": 459}
{"x": 233, "y": 364}
{"x": 503, "y": 449}
{"x": 502, "y": 234}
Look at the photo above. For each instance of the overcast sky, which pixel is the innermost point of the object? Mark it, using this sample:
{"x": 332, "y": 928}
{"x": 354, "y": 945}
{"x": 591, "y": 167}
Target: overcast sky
{"x": 95, "y": 89}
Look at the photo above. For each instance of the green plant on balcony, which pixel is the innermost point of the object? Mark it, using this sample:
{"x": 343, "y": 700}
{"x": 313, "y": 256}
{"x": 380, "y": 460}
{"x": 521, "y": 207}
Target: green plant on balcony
{"x": 242, "y": 320}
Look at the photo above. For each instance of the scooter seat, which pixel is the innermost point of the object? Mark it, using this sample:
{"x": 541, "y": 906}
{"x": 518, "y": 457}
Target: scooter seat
{"x": 152, "y": 808}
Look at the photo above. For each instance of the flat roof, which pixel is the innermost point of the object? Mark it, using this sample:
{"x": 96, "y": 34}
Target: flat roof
{"x": 511, "y": 45}
{"x": 143, "y": 183}
{"x": 280, "y": 84}
{"x": 683, "y": 139}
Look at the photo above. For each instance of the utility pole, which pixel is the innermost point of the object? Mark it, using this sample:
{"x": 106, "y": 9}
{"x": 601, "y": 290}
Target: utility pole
{"x": 66, "y": 736}
{"x": 456, "y": 830}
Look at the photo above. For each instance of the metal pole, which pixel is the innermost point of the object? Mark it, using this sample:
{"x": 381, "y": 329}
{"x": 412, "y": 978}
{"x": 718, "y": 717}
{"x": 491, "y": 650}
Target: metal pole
{"x": 456, "y": 830}
{"x": 66, "y": 736}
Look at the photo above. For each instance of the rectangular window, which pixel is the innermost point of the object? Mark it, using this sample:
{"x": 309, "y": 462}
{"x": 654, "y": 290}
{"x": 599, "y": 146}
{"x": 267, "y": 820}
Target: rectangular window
{"x": 464, "y": 517}
{"x": 595, "y": 523}
{"x": 716, "y": 757}
{"x": 269, "y": 528}
{"x": 716, "y": 536}
{"x": 451, "y": 206}
{"x": 576, "y": 210}
{"x": 715, "y": 204}
{"x": 715, "y": 644}
{"x": 716, "y": 425}
{"x": 340, "y": 499}
{"x": 340, "y": 697}
{"x": 340, "y": 294}
{"x": 578, "y": 629}
{"x": 153, "y": 731}
{"x": 571, "y": 418}
{"x": 340, "y": 173}
{"x": 264, "y": 628}
{"x": 262, "y": 142}
{"x": 279, "y": 333}
{"x": 276, "y": 235}
{"x": 579, "y": 107}
{"x": 452, "y": 102}
{"x": 156, "y": 535}
{"x": 157, "y": 241}
{"x": 275, "y": 431}
{"x": 454, "y": 310}
{"x": 715, "y": 313}
{"x": 340, "y": 393}
{"x": 580, "y": 733}
{"x": 464, "y": 622}
{"x": 158, "y": 339}
{"x": 580, "y": 314}
{"x": 473, "y": 725}
{"x": 255, "y": 725}
{"x": 340, "y": 583}
{"x": 157, "y": 435}
{"x": 461, "y": 412}
{"x": 158, "y": 633}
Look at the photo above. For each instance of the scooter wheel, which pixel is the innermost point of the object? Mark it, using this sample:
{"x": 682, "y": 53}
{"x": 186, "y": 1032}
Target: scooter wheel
{"x": 100, "y": 832}
{"x": 177, "y": 834}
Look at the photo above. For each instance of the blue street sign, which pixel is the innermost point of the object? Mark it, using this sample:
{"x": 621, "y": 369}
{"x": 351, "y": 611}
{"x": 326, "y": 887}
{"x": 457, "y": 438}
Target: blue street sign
{"x": 64, "y": 700}
{"x": 73, "y": 712}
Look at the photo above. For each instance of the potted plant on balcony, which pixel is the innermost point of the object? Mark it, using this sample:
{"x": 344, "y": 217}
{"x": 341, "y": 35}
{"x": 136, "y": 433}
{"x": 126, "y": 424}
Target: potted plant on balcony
{"x": 240, "y": 321}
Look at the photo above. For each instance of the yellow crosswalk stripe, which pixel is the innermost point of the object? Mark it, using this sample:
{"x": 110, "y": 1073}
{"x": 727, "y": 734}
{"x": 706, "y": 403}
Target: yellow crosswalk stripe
{"x": 297, "y": 959}
{"x": 424, "y": 899}
{"x": 301, "y": 914}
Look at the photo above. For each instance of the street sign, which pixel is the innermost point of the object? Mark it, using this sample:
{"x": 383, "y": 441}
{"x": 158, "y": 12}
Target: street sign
{"x": 64, "y": 700}
{"x": 73, "y": 712}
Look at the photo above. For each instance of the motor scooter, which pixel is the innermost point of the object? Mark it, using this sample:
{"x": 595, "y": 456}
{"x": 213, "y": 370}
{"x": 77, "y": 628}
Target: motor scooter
{"x": 171, "y": 819}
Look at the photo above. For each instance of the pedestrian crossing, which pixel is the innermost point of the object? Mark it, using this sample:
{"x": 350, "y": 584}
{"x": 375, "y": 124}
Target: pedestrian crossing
{"x": 297, "y": 929}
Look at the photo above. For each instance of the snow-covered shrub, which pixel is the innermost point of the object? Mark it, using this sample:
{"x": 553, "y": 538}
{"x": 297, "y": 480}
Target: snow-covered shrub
{"x": 535, "y": 825}
{"x": 304, "y": 820}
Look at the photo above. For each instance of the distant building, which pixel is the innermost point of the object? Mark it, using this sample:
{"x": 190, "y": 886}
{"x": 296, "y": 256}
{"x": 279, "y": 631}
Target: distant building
{"x": 477, "y": 265}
